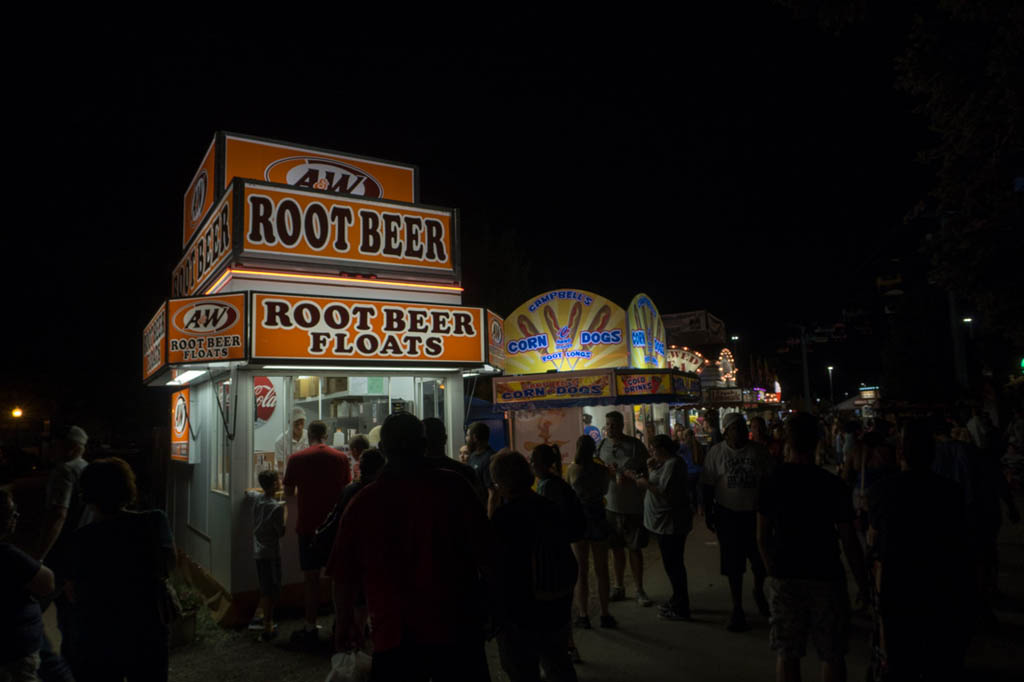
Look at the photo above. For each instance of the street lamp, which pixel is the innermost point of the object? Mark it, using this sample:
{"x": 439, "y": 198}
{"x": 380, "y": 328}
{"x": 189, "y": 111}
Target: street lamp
{"x": 831, "y": 398}
{"x": 16, "y": 413}
{"x": 735, "y": 338}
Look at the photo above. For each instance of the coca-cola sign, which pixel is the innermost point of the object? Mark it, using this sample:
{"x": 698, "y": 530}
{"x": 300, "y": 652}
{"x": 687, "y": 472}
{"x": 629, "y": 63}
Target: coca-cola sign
{"x": 264, "y": 398}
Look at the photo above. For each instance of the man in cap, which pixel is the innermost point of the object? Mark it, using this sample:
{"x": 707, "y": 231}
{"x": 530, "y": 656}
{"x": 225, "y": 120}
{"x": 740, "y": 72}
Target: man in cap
{"x": 292, "y": 440}
{"x": 62, "y": 516}
{"x": 733, "y": 471}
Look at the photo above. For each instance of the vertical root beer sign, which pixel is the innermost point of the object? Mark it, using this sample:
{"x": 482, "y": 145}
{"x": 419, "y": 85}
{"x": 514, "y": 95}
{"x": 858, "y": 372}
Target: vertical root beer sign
{"x": 240, "y": 156}
{"x": 288, "y": 327}
{"x": 154, "y": 343}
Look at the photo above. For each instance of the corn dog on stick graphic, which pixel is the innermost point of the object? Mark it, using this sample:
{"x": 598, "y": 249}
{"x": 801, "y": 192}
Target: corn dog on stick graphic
{"x": 597, "y": 323}
{"x": 637, "y": 325}
{"x": 648, "y": 332}
{"x": 551, "y": 320}
{"x": 527, "y": 328}
{"x": 575, "y": 317}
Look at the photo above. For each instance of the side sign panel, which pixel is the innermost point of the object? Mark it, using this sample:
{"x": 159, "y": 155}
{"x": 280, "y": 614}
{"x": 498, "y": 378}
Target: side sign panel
{"x": 209, "y": 251}
{"x": 200, "y": 195}
{"x": 154, "y": 343}
{"x": 179, "y": 425}
{"x": 551, "y": 387}
{"x": 319, "y": 170}
{"x": 496, "y": 340}
{"x": 206, "y": 329}
{"x": 305, "y": 328}
{"x": 312, "y": 226}
{"x": 646, "y": 334}
{"x": 564, "y": 330}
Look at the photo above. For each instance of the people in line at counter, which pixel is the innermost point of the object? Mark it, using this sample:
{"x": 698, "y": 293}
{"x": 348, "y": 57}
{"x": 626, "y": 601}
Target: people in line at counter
{"x": 416, "y": 542}
{"x": 118, "y": 567}
{"x": 668, "y": 516}
{"x": 733, "y": 471}
{"x": 356, "y": 447}
{"x": 589, "y": 479}
{"x": 437, "y": 440}
{"x": 477, "y": 441}
{"x": 293, "y": 439}
{"x": 25, "y": 581}
{"x": 268, "y": 523}
{"x": 316, "y": 477}
{"x": 625, "y": 505}
{"x": 63, "y": 514}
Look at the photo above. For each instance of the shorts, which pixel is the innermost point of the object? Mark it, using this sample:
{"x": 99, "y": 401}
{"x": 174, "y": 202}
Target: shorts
{"x": 626, "y": 530}
{"x": 309, "y": 559}
{"x": 268, "y": 571}
{"x": 737, "y": 541}
{"x": 799, "y": 607}
{"x": 597, "y": 523}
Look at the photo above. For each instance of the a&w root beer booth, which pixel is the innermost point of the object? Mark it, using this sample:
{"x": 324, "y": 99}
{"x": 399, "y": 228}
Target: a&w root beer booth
{"x": 313, "y": 286}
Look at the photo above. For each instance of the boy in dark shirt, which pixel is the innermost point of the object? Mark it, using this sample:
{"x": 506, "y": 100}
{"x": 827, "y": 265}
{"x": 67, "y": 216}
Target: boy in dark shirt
{"x": 802, "y": 509}
{"x": 268, "y": 523}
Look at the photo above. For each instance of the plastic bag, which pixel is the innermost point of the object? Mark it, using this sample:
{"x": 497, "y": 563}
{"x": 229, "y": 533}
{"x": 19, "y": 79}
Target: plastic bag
{"x": 349, "y": 666}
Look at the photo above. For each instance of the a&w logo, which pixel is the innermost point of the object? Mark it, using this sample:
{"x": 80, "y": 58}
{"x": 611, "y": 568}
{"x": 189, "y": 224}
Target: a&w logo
{"x": 323, "y": 174}
{"x": 180, "y": 415}
{"x": 207, "y": 317}
{"x": 199, "y": 196}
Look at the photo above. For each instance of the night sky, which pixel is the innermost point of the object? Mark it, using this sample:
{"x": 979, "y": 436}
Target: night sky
{"x": 749, "y": 163}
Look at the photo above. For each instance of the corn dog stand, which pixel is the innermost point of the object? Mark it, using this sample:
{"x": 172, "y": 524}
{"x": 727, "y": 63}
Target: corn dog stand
{"x": 312, "y": 283}
{"x": 573, "y": 357}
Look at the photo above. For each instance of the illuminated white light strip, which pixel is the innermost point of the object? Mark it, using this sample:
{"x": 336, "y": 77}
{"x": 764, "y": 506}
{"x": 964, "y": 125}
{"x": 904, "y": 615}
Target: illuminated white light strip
{"x": 231, "y": 272}
{"x": 332, "y": 368}
{"x": 186, "y": 377}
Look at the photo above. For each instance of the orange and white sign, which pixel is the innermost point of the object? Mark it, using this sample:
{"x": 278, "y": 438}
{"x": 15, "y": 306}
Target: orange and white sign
{"x": 207, "y": 253}
{"x": 311, "y": 168}
{"x": 306, "y": 328}
{"x": 313, "y": 226}
{"x": 179, "y": 425}
{"x": 496, "y": 340}
{"x": 200, "y": 195}
{"x": 206, "y": 329}
{"x": 154, "y": 343}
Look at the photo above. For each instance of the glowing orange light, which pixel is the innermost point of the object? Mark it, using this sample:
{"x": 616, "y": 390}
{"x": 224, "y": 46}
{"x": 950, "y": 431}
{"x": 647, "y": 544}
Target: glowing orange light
{"x": 16, "y": 413}
{"x": 329, "y": 278}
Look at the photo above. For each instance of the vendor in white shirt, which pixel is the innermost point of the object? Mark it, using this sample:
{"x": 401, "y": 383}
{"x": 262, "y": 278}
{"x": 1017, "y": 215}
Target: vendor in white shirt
{"x": 292, "y": 440}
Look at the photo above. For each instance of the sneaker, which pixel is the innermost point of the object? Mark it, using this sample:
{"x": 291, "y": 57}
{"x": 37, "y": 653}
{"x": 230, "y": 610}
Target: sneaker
{"x": 267, "y": 636}
{"x": 574, "y": 655}
{"x": 582, "y": 622}
{"x": 256, "y": 624}
{"x": 609, "y": 622}
{"x": 617, "y": 594}
{"x": 642, "y": 599}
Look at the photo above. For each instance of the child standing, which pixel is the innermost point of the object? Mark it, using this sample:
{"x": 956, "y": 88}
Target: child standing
{"x": 268, "y": 520}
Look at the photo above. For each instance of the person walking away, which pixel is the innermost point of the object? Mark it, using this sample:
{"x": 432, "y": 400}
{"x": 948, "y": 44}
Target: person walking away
{"x": 293, "y": 439}
{"x": 437, "y": 440}
{"x": 545, "y": 461}
{"x": 268, "y": 523}
{"x": 21, "y": 620}
{"x": 625, "y": 505}
{"x": 693, "y": 454}
{"x": 537, "y": 575}
{"x": 480, "y": 452}
{"x": 315, "y": 478}
{"x": 917, "y": 533}
{"x": 589, "y": 479}
{"x": 802, "y": 510}
{"x": 668, "y": 515}
{"x": 416, "y": 542}
{"x": 733, "y": 471}
{"x": 61, "y": 517}
{"x": 119, "y": 565}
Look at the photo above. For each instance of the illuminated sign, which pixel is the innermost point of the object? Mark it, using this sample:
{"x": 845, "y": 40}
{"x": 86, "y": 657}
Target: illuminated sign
{"x": 686, "y": 360}
{"x": 726, "y": 366}
{"x": 206, "y": 328}
{"x": 313, "y": 328}
{"x": 646, "y": 334}
{"x": 724, "y": 395}
{"x": 565, "y": 329}
{"x": 240, "y": 156}
{"x": 552, "y": 387}
{"x": 643, "y": 384}
{"x": 495, "y": 340}
{"x": 154, "y": 343}
{"x": 313, "y": 227}
{"x": 179, "y": 425}
{"x": 207, "y": 252}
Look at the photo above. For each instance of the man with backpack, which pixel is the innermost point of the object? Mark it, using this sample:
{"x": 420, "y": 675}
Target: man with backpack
{"x": 537, "y": 574}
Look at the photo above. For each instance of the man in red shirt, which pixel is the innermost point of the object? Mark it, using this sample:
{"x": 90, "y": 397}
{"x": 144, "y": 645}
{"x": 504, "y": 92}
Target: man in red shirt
{"x": 319, "y": 473}
{"x": 417, "y": 543}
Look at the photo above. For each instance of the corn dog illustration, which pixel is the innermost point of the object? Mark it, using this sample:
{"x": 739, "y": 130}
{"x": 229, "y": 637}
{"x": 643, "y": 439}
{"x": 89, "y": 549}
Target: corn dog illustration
{"x": 551, "y": 320}
{"x": 527, "y": 328}
{"x": 575, "y": 317}
{"x": 648, "y": 332}
{"x": 597, "y": 323}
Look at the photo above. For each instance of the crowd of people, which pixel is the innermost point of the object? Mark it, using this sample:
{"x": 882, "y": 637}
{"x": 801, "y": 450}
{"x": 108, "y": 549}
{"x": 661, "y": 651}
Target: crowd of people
{"x": 430, "y": 556}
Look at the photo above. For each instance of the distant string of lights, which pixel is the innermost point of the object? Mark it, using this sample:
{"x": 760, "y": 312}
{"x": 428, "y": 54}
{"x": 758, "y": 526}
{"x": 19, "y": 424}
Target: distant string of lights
{"x": 726, "y": 366}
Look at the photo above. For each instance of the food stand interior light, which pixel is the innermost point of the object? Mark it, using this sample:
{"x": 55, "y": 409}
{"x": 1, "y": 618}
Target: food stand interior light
{"x": 16, "y": 413}
{"x": 326, "y": 278}
{"x": 186, "y": 377}
{"x": 333, "y": 368}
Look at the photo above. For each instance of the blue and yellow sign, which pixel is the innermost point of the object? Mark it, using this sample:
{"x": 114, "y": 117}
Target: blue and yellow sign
{"x": 646, "y": 334}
